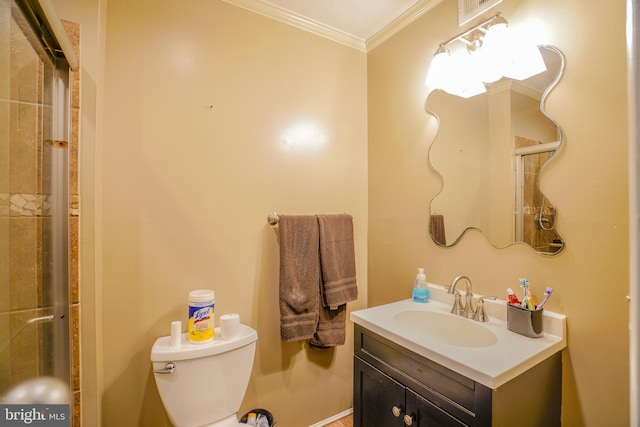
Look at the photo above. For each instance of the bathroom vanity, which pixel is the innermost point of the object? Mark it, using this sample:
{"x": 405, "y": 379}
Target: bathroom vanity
{"x": 407, "y": 374}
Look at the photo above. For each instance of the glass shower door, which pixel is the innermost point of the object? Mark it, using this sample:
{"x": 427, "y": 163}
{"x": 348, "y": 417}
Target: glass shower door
{"x": 34, "y": 296}
{"x": 535, "y": 216}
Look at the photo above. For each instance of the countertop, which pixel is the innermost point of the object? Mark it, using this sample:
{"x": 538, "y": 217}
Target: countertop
{"x": 492, "y": 365}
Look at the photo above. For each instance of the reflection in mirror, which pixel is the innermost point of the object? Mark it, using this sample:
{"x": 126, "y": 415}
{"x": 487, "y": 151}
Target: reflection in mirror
{"x": 489, "y": 151}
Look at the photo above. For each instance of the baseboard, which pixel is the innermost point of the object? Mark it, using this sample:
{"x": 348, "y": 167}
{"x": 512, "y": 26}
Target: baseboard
{"x": 333, "y": 418}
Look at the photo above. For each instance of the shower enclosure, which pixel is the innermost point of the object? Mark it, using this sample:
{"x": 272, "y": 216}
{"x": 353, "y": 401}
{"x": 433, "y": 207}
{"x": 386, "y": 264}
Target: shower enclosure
{"x": 34, "y": 117}
{"x": 535, "y": 216}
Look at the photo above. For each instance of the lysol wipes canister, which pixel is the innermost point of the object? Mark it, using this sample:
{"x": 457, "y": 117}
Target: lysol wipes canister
{"x": 201, "y": 303}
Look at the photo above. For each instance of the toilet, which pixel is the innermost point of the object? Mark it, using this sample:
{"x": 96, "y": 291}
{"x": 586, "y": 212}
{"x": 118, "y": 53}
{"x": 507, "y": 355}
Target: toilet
{"x": 202, "y": 385}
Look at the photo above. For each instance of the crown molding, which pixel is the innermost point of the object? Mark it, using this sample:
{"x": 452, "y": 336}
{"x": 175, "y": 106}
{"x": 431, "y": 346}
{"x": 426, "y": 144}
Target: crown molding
{"x": 299, "y": 21}
{"x": 406, "y": 18}
{"x": 283, "y": 15}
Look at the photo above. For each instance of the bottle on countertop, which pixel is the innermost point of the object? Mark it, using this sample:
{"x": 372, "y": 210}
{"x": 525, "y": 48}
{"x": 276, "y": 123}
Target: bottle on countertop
{"x": 421, "y": 291}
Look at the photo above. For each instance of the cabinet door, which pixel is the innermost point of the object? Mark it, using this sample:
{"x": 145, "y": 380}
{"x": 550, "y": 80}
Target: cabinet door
{"x": 425, "y": 414}
{"x": 375, "y": 397}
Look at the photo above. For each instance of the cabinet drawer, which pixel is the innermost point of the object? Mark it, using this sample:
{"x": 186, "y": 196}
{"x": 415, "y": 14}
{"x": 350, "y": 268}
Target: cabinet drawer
{"x": 428, "y": 414}
{"x": 454, "y": 393}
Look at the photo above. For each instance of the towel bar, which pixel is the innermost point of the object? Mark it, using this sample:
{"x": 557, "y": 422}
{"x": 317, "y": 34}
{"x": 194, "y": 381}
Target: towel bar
{"x": 273, "y": 218}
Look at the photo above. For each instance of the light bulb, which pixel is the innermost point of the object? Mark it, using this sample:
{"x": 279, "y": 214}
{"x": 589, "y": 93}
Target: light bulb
{"x": 461, "y": 80}
{"x": 440, "y": 67}
{"x": 497, "y": 51}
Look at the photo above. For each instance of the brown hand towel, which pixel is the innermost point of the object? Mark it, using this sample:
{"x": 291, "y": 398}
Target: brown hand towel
{"x": 436, "y": 228}
{"x": 299, "y": 276}
{"x": 337, "y": 259}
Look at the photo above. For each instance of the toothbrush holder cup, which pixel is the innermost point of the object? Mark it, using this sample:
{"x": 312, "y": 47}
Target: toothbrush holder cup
{"x": 525, "y": 322}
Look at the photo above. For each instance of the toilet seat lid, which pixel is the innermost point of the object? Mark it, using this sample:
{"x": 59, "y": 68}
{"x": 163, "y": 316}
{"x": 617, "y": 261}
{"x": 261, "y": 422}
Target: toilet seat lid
{"x": 163, "y": 351}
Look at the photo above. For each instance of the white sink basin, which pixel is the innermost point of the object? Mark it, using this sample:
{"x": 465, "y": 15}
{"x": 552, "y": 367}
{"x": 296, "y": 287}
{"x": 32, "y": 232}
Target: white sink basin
{"x": 447, "y": 328}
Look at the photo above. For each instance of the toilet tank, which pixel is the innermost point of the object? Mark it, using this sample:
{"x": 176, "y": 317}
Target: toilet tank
{"x": 208, "y": 381}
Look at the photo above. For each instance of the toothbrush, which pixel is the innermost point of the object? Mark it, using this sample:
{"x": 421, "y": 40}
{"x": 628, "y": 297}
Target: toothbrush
{"x": 531, "y": 301}
{"x": 547, "y": 294}
{"x": 525, "y": 303}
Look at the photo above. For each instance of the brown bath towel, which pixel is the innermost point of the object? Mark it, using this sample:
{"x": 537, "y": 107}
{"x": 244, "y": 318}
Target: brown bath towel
{"x": 436, "y": 228}
{"x": 337, "y": 259}
{"x": 299, "y": 276}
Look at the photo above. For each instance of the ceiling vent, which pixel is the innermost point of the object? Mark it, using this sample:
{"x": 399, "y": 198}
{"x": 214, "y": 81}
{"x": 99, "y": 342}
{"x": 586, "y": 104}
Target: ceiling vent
{"x": 469, "y": 9}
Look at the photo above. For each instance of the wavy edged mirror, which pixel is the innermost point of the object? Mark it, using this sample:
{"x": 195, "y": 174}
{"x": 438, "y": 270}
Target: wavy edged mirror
{"x": 490, "y": 150}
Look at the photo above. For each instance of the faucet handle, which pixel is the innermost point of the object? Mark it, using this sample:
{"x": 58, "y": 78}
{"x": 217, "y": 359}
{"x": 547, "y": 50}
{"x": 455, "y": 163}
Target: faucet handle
{"x": 468, "y": 310}
{"x": 457, "y": 304}
{"x": 480, "y": 313}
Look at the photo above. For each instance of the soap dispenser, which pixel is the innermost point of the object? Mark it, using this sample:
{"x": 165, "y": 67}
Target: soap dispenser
{"x": 420, "y": 289}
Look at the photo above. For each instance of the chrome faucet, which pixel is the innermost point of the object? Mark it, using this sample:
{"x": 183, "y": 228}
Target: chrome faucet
{"x": 467, "y": 309}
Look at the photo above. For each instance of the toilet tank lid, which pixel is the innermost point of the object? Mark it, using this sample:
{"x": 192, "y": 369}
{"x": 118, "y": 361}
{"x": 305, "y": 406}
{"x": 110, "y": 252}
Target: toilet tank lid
{"x": 163, "y": 351}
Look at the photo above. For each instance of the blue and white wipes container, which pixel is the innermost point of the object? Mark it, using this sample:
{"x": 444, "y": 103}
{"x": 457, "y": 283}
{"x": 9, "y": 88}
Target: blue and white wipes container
{"x": 201, "y": 304}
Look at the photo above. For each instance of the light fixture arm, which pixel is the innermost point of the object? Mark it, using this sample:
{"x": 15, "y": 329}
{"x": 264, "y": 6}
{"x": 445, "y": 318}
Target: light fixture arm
{"x": 482, "y": 26}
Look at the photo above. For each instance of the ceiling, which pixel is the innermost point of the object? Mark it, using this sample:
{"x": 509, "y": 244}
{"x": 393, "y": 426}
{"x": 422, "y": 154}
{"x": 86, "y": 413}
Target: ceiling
{"x": 357, "y": 23}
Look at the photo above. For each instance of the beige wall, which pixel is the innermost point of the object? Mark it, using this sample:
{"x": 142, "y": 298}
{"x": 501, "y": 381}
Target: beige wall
{"x": 587, "y": 181}
{"x": 202, "y": 102}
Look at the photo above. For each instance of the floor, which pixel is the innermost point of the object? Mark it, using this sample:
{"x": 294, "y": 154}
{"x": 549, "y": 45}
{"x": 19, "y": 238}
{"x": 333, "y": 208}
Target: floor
{"x": 342, "y": 422}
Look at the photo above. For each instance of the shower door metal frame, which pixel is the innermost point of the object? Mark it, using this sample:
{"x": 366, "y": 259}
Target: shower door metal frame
{"x": 47, "y": 30}
{"x": 60, "y": 222}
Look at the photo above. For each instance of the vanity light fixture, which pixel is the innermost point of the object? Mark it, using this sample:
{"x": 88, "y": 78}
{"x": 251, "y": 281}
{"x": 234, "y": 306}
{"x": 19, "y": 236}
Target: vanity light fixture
{"x": 487, "y": 52}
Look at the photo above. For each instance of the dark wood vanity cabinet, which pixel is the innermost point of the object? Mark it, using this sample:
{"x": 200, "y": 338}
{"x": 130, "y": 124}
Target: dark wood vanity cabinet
{"x": 394, "y": 386}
